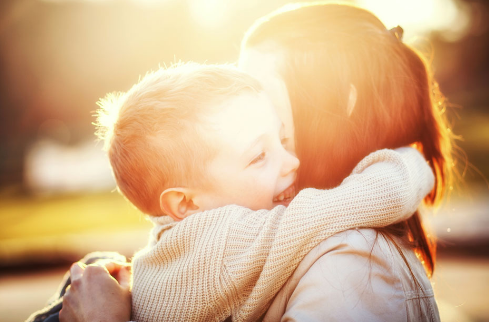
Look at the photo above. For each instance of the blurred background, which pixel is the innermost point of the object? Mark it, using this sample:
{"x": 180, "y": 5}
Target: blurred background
{"x": 57, "y": 195}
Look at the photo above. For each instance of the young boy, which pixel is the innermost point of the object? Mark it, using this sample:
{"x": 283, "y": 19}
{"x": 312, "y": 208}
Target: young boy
{"x": 191, "y": 146}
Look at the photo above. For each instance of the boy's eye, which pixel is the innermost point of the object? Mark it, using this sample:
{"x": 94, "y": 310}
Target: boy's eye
{"x": 259, "y": 158}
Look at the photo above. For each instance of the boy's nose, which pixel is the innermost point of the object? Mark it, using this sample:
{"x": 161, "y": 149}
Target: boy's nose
{"x": 291, "y": 163}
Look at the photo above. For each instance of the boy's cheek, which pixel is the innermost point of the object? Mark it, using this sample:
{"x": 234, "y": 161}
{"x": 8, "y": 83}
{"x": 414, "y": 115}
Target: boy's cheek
{"x": 253, "y": 197}
{"x": 263, "y": 199}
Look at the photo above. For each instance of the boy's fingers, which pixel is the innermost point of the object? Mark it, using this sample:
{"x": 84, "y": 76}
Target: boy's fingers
{"x": 76, "y": 270}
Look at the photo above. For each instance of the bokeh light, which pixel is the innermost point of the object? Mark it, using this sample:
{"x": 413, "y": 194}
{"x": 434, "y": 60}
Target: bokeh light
{"x": 210, "y": 14}
{"x": 450, "y": 17}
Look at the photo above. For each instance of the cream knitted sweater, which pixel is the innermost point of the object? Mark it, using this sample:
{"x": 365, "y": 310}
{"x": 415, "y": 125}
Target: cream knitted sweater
{"x": 233, "y": 261}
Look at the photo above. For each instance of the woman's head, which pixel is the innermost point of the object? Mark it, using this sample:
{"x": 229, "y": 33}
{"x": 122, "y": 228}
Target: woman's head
{"x": 323, "y": 53}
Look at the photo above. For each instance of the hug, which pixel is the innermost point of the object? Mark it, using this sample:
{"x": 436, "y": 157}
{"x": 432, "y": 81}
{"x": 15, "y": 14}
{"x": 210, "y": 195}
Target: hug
{"x": 284, "y": 189}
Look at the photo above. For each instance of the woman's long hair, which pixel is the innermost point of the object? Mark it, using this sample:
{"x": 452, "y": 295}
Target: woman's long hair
{"x": 326, "y": 48}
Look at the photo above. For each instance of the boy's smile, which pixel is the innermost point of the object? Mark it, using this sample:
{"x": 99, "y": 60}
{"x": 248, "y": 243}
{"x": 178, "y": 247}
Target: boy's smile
{"x": 286, "y": 196}
{"x": 251, "y": 167}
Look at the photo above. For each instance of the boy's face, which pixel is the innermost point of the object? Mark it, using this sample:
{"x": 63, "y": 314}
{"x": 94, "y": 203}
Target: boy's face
{"x": 252, "y": 167}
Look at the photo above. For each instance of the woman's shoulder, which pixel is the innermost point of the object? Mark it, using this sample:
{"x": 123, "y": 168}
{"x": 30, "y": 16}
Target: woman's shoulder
{"x": 357, "y": 245}
{"x": 360, "y": 239}
{"x": 369, "y": 251}
{"x": 354, "y": 275}
{"x": 356, "y": 259}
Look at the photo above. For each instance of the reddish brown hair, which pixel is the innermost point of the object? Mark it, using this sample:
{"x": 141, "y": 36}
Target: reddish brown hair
{"x": 325, "y": 48}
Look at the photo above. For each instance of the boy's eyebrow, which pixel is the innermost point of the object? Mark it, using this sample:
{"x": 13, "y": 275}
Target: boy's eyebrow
{"x": 258, "y": 139}
{"x": 280, "y": 124}
{"x": 255, "y": 142}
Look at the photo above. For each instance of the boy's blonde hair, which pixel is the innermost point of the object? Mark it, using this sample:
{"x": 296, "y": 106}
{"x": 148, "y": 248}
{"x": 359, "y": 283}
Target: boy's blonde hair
{"x": 154, "y": 133}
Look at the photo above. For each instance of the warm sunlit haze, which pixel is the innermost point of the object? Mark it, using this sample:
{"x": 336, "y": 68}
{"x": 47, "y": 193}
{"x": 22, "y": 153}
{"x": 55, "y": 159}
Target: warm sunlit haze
{"x": 58, "y": 198}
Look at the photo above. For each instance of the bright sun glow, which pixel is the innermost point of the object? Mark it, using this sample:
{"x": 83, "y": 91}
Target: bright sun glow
{"x": 210, "y": 13}
{"x": 421, "y": 16}
{"x": 450, "y": 17}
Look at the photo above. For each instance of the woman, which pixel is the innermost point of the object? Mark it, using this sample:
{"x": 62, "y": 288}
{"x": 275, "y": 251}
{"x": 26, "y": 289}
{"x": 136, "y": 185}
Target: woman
{"x": 325, "y": 55}
{"x": 346, "y": 87}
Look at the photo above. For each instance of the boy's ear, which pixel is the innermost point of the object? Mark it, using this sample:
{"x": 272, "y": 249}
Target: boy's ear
{"x": 352, "y": 100}
{"x": 178, "y": 203}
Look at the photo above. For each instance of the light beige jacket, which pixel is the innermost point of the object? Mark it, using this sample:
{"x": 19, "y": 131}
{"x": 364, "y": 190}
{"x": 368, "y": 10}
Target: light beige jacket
{"x": 356, "y": 275}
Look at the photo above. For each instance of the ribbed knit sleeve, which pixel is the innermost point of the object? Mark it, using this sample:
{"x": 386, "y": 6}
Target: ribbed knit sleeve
{"x": 233, "y": 261}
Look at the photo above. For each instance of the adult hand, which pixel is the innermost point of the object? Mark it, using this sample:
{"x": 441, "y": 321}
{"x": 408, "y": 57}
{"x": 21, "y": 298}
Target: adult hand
{"x": 95, "y": 295}
{"x": 118, "y": 270}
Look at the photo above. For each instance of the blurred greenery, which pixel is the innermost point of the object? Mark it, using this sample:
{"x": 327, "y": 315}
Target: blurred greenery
{"x": 48, "y": 216}
{"x": 54, "y": 230}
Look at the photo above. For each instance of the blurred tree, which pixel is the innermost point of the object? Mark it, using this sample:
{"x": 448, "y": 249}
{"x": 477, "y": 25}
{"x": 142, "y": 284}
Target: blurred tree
{"x": 15, "y": 84}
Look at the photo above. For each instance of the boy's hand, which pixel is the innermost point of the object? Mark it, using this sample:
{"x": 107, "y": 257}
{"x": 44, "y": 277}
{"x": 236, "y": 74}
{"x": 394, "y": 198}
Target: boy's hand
{"x": 95, "y": 296}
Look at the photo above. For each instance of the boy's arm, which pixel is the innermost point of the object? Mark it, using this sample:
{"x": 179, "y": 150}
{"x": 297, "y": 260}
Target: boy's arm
{"x": 385, "y": 187}
{"x": 233, "y": 260}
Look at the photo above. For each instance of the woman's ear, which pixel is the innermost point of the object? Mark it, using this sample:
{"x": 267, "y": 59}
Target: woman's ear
{"x": 352, "y": 100}
{"x": 178, "y": 203}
